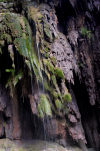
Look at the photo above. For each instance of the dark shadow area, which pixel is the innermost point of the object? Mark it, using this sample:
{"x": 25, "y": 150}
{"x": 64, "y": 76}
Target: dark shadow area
{"x": 64, "y": 12}
{"x": 31, "y": 125}
{"x": 5, "y": 63}
{"x": 88, "y": 115}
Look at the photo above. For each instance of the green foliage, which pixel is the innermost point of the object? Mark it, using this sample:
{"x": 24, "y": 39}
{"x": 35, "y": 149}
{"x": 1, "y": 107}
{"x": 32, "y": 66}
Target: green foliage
{"x": 40, "y": 112}
{"x": 53, "y": 59}
{"x": 49, "y": 65}
{"x": 46, "y": 86}
{"x": 47, "y": 73}
{"x": 46, "y": 49}
{"x": 47, "y": 32}
{"x": 44, "y": 107}
{"x": 54, "y": 80}
{"x": 55, "y": 94}
{"x": 58, "y": 104}
{"x": 12, "y": 71}
{"x": 20, "y": 32}
{"x": 59, "y": 73}
{"x": 67, "y": 97}
{"x": 14, "y": 78}
{"x": 85, "y": 32}
{"x": 6, "y": 37}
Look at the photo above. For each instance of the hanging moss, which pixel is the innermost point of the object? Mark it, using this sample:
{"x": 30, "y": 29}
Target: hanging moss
{"x": 21, "y": 34}
{"x": 47, "y": 32}
{"x": 46, "y": 86}
{"x": 45, "y": 106}
{"x": 58, "y": 104}
{"x": 14, "y": 78}
{"x": 16, "y": 30}
{"x": 54, "y": 80}
{"x": 55, "y": 94}
{"x": 49, "y": 65}
{"x": 59, "y": 73}
{"x": 53, "y": 59}
{"x": 46, "y": 49}
{"x": 40, "y": 112}
{"x": 67, "y": 97}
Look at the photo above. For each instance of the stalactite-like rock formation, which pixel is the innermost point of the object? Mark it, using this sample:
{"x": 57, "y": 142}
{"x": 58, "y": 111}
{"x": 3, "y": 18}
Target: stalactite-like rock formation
{"x": 50, "y": 71}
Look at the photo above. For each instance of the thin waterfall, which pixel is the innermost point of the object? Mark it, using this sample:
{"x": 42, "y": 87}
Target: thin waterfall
{"x": 38, "y": 50}
{"x": 43, "y": 91}
{"x": 46, "y": 120}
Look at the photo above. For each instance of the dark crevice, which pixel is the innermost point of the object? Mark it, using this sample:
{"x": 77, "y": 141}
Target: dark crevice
{"x": 5, "y": 63}
{"x": 88, "y": 115}
{"x": 64, "y": 12}
{"x": 32, "y": 127}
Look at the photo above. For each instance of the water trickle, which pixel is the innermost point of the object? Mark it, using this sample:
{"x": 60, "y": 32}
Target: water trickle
{"x": 41, "y": 90}
{"x": 38, "y": 50}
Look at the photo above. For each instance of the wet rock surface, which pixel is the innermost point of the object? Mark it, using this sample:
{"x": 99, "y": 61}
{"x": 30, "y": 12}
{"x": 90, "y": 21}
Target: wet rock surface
{"x": 33, "y": 145}
{"x": 71, "y": 30}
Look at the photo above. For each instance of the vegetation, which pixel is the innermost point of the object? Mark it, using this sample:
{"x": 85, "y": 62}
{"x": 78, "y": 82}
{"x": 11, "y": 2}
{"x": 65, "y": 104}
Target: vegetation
{"x": 15, "y": 30}
{"x": 85, "y": 32}
{"x": 44, "y": 107}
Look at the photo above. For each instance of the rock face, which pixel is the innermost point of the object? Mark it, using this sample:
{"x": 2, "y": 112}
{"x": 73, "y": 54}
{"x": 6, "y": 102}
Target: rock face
{"x": 31, "y": 145}
{"x": 49, "y": 50}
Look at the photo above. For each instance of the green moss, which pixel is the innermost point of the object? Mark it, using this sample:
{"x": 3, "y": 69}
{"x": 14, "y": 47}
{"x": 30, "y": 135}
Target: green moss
{"x": 40, "y": 112}
{"x": 22, "y": 35}
{"x": 53, "y": 59}
{"x": 49, "y": 65}
{"x": 85, "y": 32}
{"x": 59, "y": 73}
{"x": 14, "y": 78}
{"x": 17, "y": 28}
{"x": 34, "y": 14}
{"x": 6, "y": 37}
{"x": 46, "y": 55}
{"x": 54, "y": 80}
{"x": 58, "y": 104}
{"x": 67, "y": 97}
{"x": 55, "y": 94}
{"x": 45, "y": 52}
{"x": 47, "y": 32}
{"x": 45, "y": 106}
{"x": 46, "y": 49}
{"x": 12, "y": 22}
{"x": 46, "y": 86}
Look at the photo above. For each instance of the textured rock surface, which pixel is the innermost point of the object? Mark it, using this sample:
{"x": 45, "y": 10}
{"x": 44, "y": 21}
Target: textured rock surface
{"x": 67, "y": 33}
{"x": 33, "y": 145}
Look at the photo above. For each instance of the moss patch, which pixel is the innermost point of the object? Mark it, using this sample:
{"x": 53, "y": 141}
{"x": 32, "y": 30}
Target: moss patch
{"x": 17, "y": 28}
{"x": 44, "y": 107}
